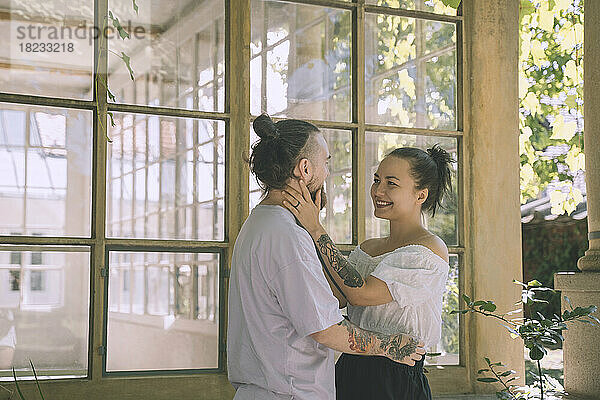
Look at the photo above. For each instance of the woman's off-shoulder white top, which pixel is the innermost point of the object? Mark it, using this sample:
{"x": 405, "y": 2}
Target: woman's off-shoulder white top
{"x": 416, "y": 278}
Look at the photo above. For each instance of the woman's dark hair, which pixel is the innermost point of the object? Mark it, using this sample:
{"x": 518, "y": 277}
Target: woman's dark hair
{"x": 281, "y": 146}
{"x": 429, "y": 170}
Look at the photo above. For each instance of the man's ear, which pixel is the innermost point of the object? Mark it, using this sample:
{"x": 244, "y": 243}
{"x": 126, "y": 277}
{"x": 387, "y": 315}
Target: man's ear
{"x": 422, "y": 195}
{"x": 303, "y": 170}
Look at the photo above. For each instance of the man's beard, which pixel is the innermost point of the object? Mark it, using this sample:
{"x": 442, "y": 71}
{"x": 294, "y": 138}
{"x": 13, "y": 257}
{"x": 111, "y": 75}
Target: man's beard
{"x": 313, "y": 195}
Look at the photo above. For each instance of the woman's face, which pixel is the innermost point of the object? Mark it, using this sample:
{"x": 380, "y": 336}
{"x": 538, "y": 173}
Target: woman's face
{"x": 393, "y": 190}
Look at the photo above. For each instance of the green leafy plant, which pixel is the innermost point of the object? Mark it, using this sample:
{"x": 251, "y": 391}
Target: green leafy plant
{"x": 100, "y": 80}
{"x": 503, "y": 377}
{"x": 18, "y": 387}
{"x": 538, "y": 332}
{"x": 450, "y": 324}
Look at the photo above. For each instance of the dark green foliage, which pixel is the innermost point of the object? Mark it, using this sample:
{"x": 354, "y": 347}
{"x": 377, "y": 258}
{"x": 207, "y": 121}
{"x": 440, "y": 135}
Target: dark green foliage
{"x": 548, "y": 248}
{"x": 537, "y": 331}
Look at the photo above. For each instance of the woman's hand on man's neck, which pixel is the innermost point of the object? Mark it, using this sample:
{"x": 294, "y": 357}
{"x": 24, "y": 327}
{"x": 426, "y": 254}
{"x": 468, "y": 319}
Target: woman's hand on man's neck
{"x": 275, "y": 197}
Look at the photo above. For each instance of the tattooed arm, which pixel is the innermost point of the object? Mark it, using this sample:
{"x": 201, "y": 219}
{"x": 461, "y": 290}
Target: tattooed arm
{"x": 369, "y": 291}
{"x": 335, "y": 289}
{"x": 349, "y": 338}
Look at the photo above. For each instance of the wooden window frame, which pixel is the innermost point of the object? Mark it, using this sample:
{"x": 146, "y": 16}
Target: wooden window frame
{"x": 237, "y": 117}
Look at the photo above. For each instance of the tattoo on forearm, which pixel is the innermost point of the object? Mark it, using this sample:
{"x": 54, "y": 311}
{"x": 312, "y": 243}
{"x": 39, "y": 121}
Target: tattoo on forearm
{"x": 338, "y": 262}
{"x": 360, "y": 341}
{"x": 392, "y": 345}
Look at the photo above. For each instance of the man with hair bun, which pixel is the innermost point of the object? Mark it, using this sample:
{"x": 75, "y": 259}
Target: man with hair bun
{"x": 284, "y": 321}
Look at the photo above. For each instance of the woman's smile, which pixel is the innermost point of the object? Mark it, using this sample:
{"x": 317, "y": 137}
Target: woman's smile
{"x": 383, "y": 204}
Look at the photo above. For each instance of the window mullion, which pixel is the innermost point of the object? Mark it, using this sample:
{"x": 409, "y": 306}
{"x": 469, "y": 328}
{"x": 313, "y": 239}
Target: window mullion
{"x": 358, "y": 117}
{"x": 97, "y": 282}
{"x": 237, "y": 102}
{"x": 237, "y": 137}
{"x": 462, "y": 124}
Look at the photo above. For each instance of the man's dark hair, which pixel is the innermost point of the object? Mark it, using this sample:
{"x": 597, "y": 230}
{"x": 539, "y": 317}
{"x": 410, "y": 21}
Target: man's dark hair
{"x": 281, "y": 146}
{"x": 429, "y": 170}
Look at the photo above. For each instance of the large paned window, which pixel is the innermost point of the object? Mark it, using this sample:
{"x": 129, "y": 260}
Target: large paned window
{"x": 140, "y": 189}
{"x": 122, "y": 176}
{"x": 394, "y": 83}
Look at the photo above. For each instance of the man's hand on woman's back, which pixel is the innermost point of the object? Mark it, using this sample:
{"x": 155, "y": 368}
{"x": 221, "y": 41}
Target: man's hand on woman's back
{"x": 349, "y": 338}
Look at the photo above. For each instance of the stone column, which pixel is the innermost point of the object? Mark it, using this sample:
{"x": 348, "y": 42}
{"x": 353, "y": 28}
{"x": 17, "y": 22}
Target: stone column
{"x": 492, "y": 171}
{"x": 581, "y": 350}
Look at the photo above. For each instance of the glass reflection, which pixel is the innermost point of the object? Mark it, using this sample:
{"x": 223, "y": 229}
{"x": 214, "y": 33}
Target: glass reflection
{"x": 166, "y": 178}
{"x": 45, "y": 170}
{"x": 176, "y": 50}
{"x": 410, "y": 77}
{"x": 47, "y": 48}
{"x": 432, "y": 6}
{"x": 163, "y": 310}
{"x": 44, "y": 291}
{"x": 300, "y": 61}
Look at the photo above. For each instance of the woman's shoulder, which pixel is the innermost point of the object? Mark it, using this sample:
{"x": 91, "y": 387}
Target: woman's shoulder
{"x": 431, "y": 251}
{"x": 437, "y": 246}
{"x": 371, "y": 246}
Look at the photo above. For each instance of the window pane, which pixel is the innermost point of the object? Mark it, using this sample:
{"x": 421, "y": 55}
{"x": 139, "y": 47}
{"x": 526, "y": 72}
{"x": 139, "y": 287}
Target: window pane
{"x": 300, "y": 61}
{"x": 449, "y": 343}
{"x": 410, "y": 76}
{"x": 432, "y": 6}
{"x": 336, "y": 217}
{"x": 40, "y": 319}
{"x": 45, "y": 170}
{"x": 163, "y": 311}
{"x": 166, "y": 178}
{"x": 255, "y": 190}
{"x": 50, "y": 52}
{"x": 176, "y": 51}
{"x": 444, "y": 224}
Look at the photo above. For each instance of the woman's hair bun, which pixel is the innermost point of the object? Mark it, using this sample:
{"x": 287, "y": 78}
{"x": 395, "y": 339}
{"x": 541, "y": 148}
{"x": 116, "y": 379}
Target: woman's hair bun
{"x": 265, "y": 127}
{"x": 439, "y": 155}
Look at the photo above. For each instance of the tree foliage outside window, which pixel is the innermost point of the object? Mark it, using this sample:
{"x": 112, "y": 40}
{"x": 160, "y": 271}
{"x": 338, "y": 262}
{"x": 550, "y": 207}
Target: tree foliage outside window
{"x": 410, "y": 71}
{"x": 551, "y": 101}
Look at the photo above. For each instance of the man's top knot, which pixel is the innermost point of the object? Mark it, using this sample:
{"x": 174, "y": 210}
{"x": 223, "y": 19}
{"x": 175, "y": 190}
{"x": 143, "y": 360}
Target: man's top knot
{"x": 265, "y": 127}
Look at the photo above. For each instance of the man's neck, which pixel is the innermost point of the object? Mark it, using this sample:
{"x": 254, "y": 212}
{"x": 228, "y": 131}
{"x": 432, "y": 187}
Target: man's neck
{"x": 275, "y": 196}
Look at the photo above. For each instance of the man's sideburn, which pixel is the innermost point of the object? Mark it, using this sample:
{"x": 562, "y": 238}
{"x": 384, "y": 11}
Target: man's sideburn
{"x": 323, "y": 197}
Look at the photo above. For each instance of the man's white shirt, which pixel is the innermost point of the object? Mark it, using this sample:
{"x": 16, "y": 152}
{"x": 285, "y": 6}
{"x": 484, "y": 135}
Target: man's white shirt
{"x": 278, "y": 296}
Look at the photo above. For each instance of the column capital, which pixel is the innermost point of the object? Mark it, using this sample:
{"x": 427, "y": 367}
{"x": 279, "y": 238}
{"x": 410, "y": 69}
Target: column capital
{"x": 590, "y": 261}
